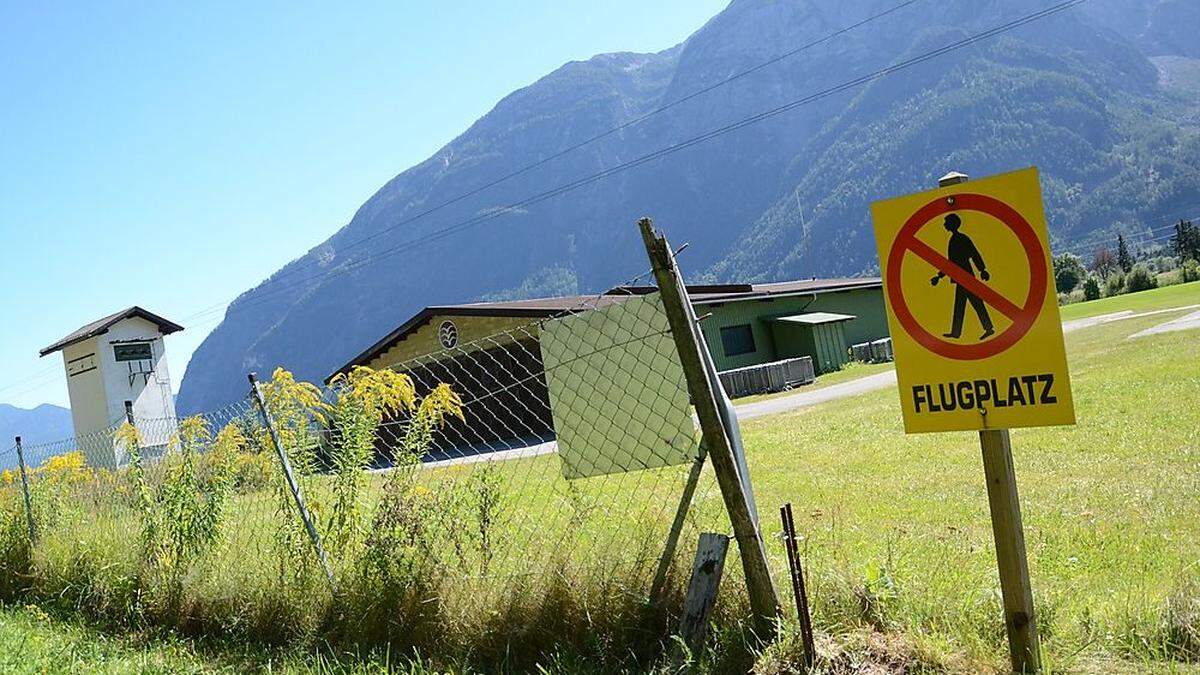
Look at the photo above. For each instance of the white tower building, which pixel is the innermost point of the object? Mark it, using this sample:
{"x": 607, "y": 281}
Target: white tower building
{"x": 113, "y": 362}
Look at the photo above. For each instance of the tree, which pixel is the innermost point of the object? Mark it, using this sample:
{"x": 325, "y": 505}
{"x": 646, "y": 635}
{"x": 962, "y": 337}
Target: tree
{"x": 1140, "y": 279}
{"x": 1104, "y": 262}
{"x": 1190, "y": 271}
{"x": 1186, "y": 241}
{"x": 1068, "y": 272}
{"x": 1091, "y": 288}
{"x": 1124, "y": 259}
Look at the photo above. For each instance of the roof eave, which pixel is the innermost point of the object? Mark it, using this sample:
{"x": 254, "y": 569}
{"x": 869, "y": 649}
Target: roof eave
{"x": 165, "y": 327}
{"x": 871, "y": 283}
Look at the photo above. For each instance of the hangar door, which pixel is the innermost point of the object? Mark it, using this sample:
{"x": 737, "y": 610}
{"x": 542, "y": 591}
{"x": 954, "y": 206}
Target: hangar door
{"x": 503, "y": 389}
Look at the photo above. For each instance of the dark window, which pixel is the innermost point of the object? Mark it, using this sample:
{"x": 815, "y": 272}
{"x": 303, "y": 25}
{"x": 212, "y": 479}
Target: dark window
{"x": 737, "y": 339}
{"x": 138, "y": 351}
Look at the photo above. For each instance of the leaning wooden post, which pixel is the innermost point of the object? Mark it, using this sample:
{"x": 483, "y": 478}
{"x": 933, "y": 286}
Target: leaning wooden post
{"x": 291, "y": 480}
{"x": 763, "y": 600}
{"x": 25, "y": 489}
{"x": 1008, "y": 532}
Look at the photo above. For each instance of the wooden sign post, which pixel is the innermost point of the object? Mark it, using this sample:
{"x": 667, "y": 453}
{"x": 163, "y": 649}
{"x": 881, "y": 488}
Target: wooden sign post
{"x": 1009, "y": 534}
{"x": 978, "y": 342}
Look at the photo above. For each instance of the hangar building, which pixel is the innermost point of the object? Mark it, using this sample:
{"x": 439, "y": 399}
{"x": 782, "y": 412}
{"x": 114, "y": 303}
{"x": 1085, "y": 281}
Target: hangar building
{"x": 489, "y": 352}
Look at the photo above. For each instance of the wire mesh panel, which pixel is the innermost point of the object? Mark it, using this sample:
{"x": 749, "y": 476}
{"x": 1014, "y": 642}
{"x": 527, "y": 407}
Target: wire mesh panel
{"x": 618, "y": 393}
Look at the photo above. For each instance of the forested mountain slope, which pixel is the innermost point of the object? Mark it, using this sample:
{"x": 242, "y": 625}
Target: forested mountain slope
{"x": 786, "y": 197}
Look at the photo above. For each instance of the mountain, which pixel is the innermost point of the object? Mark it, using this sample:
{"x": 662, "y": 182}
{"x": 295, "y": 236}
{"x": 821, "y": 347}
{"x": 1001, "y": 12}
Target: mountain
{"x": 42, "y": 424}
{"x": 785, "y": 197}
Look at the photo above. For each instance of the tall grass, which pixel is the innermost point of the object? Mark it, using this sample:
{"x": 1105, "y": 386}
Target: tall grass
{"x": 476, "y": 564}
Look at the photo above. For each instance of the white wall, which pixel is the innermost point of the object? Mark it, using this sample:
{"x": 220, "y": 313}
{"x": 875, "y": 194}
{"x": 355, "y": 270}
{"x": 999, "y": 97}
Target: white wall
{"x": 101, "y": 385}
{"x": 153, "y": 404}
{"x": 89, "y": 405}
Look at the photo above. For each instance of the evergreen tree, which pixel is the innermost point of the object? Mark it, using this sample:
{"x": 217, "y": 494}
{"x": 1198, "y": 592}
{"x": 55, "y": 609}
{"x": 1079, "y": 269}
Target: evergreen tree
{"x": 1124, "y": 259}
{"x": 1186, "y": 241}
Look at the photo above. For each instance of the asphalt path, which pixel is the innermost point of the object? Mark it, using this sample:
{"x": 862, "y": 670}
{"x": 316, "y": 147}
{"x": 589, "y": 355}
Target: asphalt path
{"x": 1182, "y": 323}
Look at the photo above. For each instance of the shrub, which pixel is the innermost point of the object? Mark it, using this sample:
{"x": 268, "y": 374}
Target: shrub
{"x": 1091, "y": 289}
{"x": 1140, "y": 279}
{"x": 1068, "y": 271}
{"x": 16, "y": 551}
{"x": 1114, "y": 285}
{"x": 1190, "y": 271}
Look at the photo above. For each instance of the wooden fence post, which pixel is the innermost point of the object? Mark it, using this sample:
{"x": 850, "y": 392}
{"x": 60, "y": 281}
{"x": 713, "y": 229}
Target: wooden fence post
{"x": 702, "y": 589}
{"x": 25, "y": 488}
{"x": 763, "y": 599}
{"x": 1011, "y": 560}
{"x": 313, "y": 535}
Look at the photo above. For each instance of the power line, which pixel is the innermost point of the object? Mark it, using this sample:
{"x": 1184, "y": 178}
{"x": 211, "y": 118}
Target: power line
{"x": 41, "y": 374}
{"x": 436, "y": 235}
{"x": 1141, "y": 246}
{"x": 588, "y": 141}
{"x": 1139, "y": 238}
{"x": 625, "y": 125}
{"x": 468, "y": 223}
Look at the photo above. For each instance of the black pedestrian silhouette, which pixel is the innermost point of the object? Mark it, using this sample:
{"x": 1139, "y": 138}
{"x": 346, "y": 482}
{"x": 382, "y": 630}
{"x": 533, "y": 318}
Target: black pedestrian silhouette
{"x": 963, "y": 254}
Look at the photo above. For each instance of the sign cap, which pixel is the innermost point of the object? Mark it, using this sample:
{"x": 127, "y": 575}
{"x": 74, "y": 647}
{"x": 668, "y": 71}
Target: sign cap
{"x": 953, "y": 178}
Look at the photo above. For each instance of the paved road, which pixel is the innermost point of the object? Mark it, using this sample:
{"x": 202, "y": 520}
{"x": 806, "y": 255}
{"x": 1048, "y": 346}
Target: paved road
{"x": 1182, "y": 323}
{"x": 1069, "y": 326}
{"x": 803, "y": 398}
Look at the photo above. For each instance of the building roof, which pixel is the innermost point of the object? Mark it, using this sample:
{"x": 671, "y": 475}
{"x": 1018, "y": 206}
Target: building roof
{"x": 707, "y": 295}
{"x": 101, "y": 326}
{"x": 815, "y": 318}
{"x": 701, "y": 294}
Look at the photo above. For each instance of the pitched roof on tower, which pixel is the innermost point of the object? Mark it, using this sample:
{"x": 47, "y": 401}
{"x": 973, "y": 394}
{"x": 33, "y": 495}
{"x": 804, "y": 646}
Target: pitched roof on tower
{"x": 101, "y": 326}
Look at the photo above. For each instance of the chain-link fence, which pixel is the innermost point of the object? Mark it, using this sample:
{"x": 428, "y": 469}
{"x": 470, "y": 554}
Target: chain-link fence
{"x": 546, "y": 471}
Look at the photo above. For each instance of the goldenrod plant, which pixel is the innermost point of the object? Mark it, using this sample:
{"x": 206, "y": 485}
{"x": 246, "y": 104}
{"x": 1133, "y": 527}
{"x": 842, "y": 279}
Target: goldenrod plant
{"x": 440, "y": 402}
{"x": 400, "y": 527}
{"x": 181, "y": 511}
{"x": 365, "y": 397}
{"x": 298, "y": 413}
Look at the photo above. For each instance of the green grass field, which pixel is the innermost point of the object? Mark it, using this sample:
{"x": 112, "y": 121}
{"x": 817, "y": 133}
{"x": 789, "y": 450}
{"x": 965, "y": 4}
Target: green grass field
{"x": 32, "y": 641}
{"x": 1178, "y": 295}
{"x": 897, "y": 540}
{"x": 1111, "y": 515}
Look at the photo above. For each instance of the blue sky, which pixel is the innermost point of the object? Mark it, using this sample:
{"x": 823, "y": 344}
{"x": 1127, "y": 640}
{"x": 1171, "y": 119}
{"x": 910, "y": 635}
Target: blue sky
{"x": 173, "y": 155}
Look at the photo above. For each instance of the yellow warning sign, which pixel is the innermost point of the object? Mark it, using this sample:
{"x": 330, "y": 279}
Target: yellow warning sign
{"x": 972, "y": 306}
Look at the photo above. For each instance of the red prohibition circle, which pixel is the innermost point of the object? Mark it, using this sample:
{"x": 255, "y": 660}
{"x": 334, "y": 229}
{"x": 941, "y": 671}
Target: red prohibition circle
{"x": 1028, "y": 311}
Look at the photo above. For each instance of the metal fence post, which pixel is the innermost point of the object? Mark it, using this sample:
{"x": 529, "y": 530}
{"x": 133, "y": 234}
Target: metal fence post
{"x": 764, "y": 601}
{"x": 25, "y": 489}
{"x": 291, "y": 479}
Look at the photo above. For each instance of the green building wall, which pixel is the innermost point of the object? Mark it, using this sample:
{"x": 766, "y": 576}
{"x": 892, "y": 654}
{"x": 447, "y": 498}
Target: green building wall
{"x": 864, "y": 303}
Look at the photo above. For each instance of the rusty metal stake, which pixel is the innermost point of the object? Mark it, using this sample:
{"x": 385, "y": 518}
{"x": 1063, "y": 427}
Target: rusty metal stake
{"x": 798, "y": 590}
